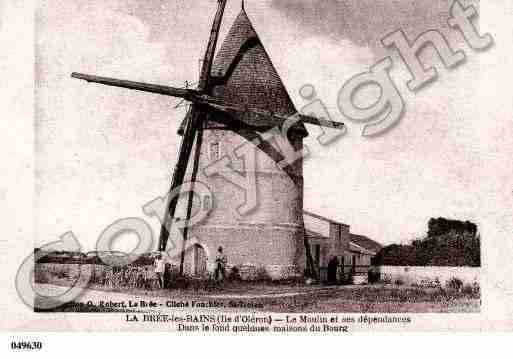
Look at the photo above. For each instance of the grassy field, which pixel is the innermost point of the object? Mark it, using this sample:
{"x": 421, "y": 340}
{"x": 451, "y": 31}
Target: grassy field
{"x": 285, "y": 297}
{"x": 293, "y": 299}
{"x": 393, "y": 300}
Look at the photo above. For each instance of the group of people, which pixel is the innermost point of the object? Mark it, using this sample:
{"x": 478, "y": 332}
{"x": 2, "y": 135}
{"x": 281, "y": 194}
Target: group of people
{"x": 219, "y": 273}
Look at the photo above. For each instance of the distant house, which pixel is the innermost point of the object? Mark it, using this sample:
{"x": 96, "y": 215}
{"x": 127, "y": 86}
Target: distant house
{"x": 353, "y": 252}
{"x": 364, "y": 248}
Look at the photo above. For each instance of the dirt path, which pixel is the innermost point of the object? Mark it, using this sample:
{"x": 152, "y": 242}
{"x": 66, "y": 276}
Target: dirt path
{"x": 89, "y": 295}
{"x": 347, "y": 299}
{"x": 167, "y": 301}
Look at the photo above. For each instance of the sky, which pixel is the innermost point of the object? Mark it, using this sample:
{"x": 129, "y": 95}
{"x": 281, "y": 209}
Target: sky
{"x": 103, "y": 153}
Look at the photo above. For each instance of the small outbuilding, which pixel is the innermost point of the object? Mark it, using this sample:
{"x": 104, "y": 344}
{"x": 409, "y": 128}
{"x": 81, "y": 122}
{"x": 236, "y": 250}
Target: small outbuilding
{"x": 338, "y": 254}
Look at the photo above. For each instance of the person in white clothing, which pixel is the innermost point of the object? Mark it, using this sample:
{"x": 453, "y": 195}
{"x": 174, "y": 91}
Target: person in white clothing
{"x": 160, "y": 269}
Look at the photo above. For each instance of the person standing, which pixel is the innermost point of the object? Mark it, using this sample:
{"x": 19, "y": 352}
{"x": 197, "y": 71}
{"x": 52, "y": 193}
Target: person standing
{"x": 160, "y": 269}
{"x": 332, "y": 271}
{"x": 221, "y": 261}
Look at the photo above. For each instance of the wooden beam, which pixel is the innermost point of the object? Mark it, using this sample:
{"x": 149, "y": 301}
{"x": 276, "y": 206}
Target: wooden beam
{"x": 187, "y": 94}
{"x": 186, "y": 146}
{"x": 200, "y": 97}
{"x": 208, "y": 60}
{"x": 192, "y": 128}
{"x": 190, "y": 197}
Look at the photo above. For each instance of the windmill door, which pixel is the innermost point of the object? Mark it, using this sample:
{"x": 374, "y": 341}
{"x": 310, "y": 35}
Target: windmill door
{"x": 200, "y": 261}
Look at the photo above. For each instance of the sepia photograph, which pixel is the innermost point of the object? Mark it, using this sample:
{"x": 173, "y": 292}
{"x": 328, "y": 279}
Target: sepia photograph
{"x": 245, "y": 167}
{"x": 271, "y": 206}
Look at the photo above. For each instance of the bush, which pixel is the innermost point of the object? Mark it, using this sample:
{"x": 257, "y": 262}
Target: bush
{"x": 448, "y": 243}
{"x": 374, "y": 275}
{"x": 428, "y": 283}
{"x": 234, "y": 275}
{"x": 467, "y": 289}
{"x": 399, "y": 282}
{"x": 471, "y": 289}
{"x": 437, "y": 283}
{"x": 454, "y": 284}
{"x": 262, "y": 275}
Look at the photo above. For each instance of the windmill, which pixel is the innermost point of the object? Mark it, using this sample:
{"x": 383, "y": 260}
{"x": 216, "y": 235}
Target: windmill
{"x": 232, "y": 108}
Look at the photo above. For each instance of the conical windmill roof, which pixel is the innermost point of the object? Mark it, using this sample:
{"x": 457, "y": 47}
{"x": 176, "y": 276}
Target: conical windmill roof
{"x": 241, "y": 31}
{"x": 244, "y": 75}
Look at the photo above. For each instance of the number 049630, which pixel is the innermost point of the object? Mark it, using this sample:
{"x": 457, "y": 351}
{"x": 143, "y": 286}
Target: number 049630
{"x": 26, "y": 345}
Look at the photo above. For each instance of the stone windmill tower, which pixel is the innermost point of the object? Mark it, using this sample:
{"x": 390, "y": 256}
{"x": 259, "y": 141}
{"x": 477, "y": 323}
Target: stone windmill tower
{"x": 272, "y": 235}
{"x": 240, "y": 98}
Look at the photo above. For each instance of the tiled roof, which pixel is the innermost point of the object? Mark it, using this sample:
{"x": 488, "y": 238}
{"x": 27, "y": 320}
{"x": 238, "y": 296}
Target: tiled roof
{"x": 357, "y": 243}
{"x": 366, "y": 243}
{"x": 241, "y": 31}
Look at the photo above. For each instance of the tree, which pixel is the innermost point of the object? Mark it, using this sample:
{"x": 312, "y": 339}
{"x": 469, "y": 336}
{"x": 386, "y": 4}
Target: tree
{"x": 449, "y": 243}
